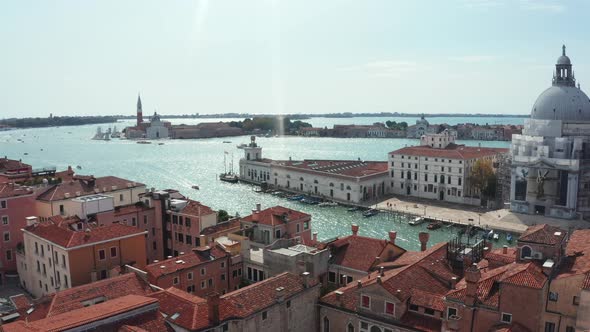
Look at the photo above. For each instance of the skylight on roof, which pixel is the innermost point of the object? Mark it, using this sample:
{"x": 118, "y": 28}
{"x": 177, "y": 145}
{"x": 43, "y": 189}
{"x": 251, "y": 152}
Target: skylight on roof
{"x": 176, "y": 315}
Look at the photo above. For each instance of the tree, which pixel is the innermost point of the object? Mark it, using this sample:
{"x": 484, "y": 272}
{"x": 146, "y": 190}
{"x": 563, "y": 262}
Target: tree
{"x": 482, "y": 176}
{"x": 222, "y": 215}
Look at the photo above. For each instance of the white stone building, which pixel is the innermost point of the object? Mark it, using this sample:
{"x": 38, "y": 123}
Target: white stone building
{"x": 437, "y": 169}
{"x": 550, "y": 160}
{"x": 157, "y": 128}
{"x": 353, "y": 181}
{"x": 422, "y": 127}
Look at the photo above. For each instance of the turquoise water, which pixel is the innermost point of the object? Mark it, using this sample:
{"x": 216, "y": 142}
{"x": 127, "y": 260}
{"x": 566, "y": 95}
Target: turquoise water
{"x": 180, "y": 164}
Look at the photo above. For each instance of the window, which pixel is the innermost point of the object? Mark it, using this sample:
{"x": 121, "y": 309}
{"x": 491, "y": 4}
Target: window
{"x": 332, "y": 277}
{"x": 101, "y": 254}
{"x": 144, "y": 220}
{"x": 451, "y": 312}
{"x": 154, "y": 245}
{"x": 3, "y": 204}
{"x": 264, "y": 315}
{"x": 113, "y": 252}
{"x": 175, "y": 281}
{"x": 506, "y": 318}
{"x": 174, "y": 219}
{"x": 525, "y": 252}
{"x": 223, "y": 276}
{"x": 306, "y": 225}
{"x": 210, "y": 282}
{"x": 326, "y": 323}
{"x": 103, "y": 274}
{"x": 413, "y": 307}
{"x": 120, "y": 197}
{"x": 61, "y": 209}
{"x": 133, "y": 222}
{"x": 365, "y": 302}
{"x": 298, "y": 228}
{"x": 222, "y": 265}
{"x": 8, "y": 255}
{"x": 190, "y": 289}
{"x": 36, "y": 248}
{"x": 153, "y": 231}
{"x": 203, "y": 271}
{"x": 429, "y": 311}
{"x": 189, "y": 239}
{"x": 189, "y": 276}
{"x": 63, "y": 261}
{"x": 576, "y": 300}
{"x": 364, "y": 326}
{"x": 553, "y": 296}
{"x": 4, "y": 220}
{"x": 570, "y": 329}
{"x": 289, "y": 304}
{"x": 180, "y": 220}
{"x": 350, "y": 328}
{"x": 549, "y": 327}
{"x": 203, "y": 285}
{"x": 187, "y": 221}
{"x": 389, "y": 308}
{"x": 7, "y": 237}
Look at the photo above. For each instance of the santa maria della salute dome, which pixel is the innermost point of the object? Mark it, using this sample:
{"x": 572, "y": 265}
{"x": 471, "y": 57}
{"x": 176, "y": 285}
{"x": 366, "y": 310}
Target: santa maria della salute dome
{"x": 551, "y": 159}
{"x": 563, "y": 100}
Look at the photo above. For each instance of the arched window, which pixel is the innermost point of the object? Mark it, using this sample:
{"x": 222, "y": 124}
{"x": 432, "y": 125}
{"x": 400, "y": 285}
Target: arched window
{"x": 375, "y": 329}
{"x": 315, "y": 181}
{"x": 526, "y": 252}
{"x": 301, "y": 179}
{"x": 326, "y": 324}
{"x": 347, "y": 187}
{"x": 350, "y": 328}
{"x": 331, "y": 184}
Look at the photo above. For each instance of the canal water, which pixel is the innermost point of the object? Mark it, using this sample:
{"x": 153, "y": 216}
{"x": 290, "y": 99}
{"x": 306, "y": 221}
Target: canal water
{"x": 181, "y": 164}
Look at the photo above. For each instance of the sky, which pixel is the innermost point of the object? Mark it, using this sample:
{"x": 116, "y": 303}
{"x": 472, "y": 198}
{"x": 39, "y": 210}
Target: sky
{"x": 285, "y": 56}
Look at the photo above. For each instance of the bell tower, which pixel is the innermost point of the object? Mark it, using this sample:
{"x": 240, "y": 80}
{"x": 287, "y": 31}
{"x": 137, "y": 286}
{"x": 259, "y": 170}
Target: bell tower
{"x": 139, "y": 111}
{"x": 564, "y": 75}
{"x": 252, "y": 151}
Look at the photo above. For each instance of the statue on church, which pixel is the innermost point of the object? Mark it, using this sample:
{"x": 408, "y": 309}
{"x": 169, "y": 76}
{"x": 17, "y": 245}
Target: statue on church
{"x": 541, "y": 183}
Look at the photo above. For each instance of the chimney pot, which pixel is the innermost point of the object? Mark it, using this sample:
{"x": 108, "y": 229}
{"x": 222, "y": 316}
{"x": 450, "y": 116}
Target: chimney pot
{"x": 505, "y": 249}
{"x": 355, "y": 229}
{"x": 315, "y": 237}
{"x": 258, "y": 207}
{"x": 392, "y": 236}
{"x": 453, "y": 282}
{"x": 381, "y": 271}
{"x": 280, "y": 294}
{"x": 213, "y": 307}
{"x": 379, "y": 280}
{"x": 306, "y": 279}
{"x": 423, "y": 237}
{"x": 359, "y": 284}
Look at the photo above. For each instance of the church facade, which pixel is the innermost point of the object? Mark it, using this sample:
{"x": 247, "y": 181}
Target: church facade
{"x": 551, "y": 159}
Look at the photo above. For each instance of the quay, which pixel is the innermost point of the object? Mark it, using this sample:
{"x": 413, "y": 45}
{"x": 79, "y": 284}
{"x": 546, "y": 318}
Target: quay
{"x": 500, "y": 220}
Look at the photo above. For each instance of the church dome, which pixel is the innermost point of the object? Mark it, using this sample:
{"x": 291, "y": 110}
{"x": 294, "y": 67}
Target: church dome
{"x": 563, "y": 100}
{"x": 566, "y": 103}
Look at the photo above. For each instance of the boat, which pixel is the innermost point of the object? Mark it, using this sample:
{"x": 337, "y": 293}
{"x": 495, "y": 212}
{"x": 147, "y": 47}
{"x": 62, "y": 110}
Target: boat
{"x": 496, "y": 236}
{"x": 230, "y": 176}
{"x": 144, "y": 142}
{"x": 241, "y": 146}
{"x": 353, "y": 209}
{"x": 195, "y": 187}
{"x": 79, "y": 167}
{"x": 226, "y": 142}
{"x": 509, "y": 237}
{"x": 160, "y": 143}
{"x": 295, "y": 197}
{"x": 370, "y": 213}
{"x": 416, "y": 221}
{"x": 258, "y": 190}
{"x": 489, "y": 234}
{"x": 434, "y": 225}
{"x": 324, "y": 204}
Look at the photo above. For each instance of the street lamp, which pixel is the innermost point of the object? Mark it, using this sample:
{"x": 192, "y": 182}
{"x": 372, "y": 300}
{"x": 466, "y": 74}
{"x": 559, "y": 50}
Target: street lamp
{"x": 425, "y": 210}
{"x": 479, "y": 219}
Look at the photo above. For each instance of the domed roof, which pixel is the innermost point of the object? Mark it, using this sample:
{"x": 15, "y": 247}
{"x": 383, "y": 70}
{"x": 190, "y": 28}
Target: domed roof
{"x": 564, "y": 60}
{"x": 560, "y": 102}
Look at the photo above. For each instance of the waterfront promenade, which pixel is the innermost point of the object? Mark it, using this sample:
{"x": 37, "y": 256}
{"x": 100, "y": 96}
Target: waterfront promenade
{"x": 501, "y": 219}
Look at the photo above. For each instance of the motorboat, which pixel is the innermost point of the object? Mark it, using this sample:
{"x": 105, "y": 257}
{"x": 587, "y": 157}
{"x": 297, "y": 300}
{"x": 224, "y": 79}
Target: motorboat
{"x": 509, "y": 237}
{"x": 370, "y": 213}
{"x": 416, "y": 221}
{"x": 434, "y": 225}
{"x": 195, "y": 187}
{"x": 328, "y": 204}
{"x": 295, "y": 197}
{"x": 353, "y": 209}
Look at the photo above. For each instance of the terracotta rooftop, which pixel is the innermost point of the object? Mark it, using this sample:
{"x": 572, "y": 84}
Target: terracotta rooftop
{"x": 577, "y": 260}
{"x": 543, "y": 234}
{"x": 11, "y": 190}
{"x": 358, "y": 252}
{"x": 82, "y": 316}
{"x": 11, "y": 165}
{"x": 57, "y": 230}
{"x": 488, "y": 291}
{"x": 427, "y": 279}
{"x": 222, "y": 227}
{"x": 195, "y": 208}
{"x": 347, "y": 168}
{"x": 452, "y": 151}
{"x": 131, "y": 208}
{"x": 497, "y": 257}
{"x": 275, "y": 216}
{"x": 421, "y": 322}
{"x": 188, "y": 260}
{"x": 20, "y": 301}
{"x": 86, "y": 186}
{"x": 184, "y": 309}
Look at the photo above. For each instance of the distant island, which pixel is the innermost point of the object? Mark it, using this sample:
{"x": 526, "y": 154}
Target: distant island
{"x": 55, "y": 121}
{"x": 303, "y": 116}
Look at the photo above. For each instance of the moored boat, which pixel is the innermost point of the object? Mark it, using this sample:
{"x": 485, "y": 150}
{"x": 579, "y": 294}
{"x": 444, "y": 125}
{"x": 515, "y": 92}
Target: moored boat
{"x": 416, "y": 221}
{"x": 370, "y": 213}
{"x": 434, "y": 225}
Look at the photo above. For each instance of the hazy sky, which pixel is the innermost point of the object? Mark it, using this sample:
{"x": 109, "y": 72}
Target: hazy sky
{"x": 291, "y": 56}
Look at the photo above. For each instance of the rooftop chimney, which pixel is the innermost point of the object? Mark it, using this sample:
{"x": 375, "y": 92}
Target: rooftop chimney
{"x": 472, "y": 276}
{"x": 280, "y": 294}
{"x": 453, "y": 282}
{"x": 381, "y": 271}
{"x": 31, "y": 220}
{"x": 306, "y": 279}
{"x": 392, "y": 236}
{"x": 355, "y": 229}
{"x": 423, "y": 237}
{"x": 505, "y": 249}
{"x": 315, "y": 237}
{"x": 255, "y": 215}
{"x": 359, "y": 284}
{"x": 213, "y": 307}
{"x": 258, "y": 207}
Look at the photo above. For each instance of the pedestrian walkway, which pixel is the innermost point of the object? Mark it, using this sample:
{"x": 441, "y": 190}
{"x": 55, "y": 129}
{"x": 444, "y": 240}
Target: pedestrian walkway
{"x": 502, "y": 219}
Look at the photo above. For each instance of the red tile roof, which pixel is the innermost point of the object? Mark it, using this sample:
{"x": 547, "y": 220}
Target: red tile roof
{"x": 497, "y": 257}
{"x": 421, "y": 322}
{"x": 358, "y": 252}
{"x": 577, "y": 260}
{"x": 11, "y": 164}
{"x": 259, "y": 296}
{"x": 428, "y": 278}
{"x": 519, "y": 274}
{"x": 57, "y": 230}
{"x": 543, "y": 234}
{"x": 222, "y": 227}
{"x": 11, "y": 190}
{"x": 345, "y": 168}
{"x": 195, "y": 208}
{"x": 275, "y": 216}
{"x": 20, "y": 301}
{"x": 192, "y": 311}
{"x": 189, "y": 260}
{"x": 86, "y": 186}
{"x": 452, "y": 151}
{"x": 82, "y": 316}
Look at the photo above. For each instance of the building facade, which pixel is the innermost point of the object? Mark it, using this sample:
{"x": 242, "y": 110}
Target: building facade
{"x": 438, "y": 169}
{"x": 550, "y": 173}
